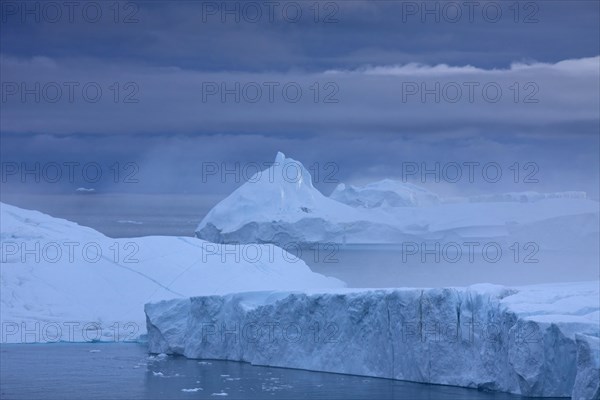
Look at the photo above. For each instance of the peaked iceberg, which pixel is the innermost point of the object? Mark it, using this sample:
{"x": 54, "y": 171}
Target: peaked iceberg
{"x": 278, "y": 205}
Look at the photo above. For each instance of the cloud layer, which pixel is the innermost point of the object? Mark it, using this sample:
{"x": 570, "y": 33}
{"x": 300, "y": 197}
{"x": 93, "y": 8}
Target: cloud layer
{"x": 44, "y": 95}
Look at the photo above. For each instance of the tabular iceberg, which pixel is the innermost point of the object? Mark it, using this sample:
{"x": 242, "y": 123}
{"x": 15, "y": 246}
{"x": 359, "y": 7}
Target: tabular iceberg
{"x": 280, "y": 205}
{"x": 537, "y": 340}
{"x": 62, "y": 281}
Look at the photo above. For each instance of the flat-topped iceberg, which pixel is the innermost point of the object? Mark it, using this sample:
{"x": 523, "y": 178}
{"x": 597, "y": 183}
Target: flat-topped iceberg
{"x": 537, "y": 340}
{"x": 63, "y": 281}
{"x": 280, "y": 205}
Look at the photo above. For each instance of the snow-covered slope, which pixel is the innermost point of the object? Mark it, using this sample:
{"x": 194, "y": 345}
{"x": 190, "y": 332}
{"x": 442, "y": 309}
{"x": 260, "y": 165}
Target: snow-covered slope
{"x": 54, "y": 272}
{"x": 587, "y": 379}
{"x": 533, "y": 340}
{"x": 281, "y": 206}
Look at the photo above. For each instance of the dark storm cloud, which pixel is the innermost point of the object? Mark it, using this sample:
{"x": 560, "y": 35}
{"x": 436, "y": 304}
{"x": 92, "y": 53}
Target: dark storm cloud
{"x": 193, "y": 35}
{"x": 65, "y": 96}
{"x": 371, "y": 50}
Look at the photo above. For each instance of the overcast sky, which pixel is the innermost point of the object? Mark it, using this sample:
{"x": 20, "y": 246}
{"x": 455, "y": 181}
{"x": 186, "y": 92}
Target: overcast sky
{"x": 354, "y": 89}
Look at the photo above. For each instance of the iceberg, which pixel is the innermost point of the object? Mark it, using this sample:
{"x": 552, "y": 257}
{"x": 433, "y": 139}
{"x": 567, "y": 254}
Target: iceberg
{"x": 60, "y": 281}
{"x": 385, "y": 193}
{"x": 280, "y": 205}
{"x": 538, "y": 340}
{"x": 525, "y": 197}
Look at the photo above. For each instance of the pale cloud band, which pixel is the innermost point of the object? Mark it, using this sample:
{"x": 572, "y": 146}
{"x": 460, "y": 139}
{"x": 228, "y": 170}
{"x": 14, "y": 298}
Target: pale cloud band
{"x": 64, "y": 96}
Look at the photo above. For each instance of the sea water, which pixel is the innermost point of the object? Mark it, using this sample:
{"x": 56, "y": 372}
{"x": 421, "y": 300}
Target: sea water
{"x": 125, "y": 371}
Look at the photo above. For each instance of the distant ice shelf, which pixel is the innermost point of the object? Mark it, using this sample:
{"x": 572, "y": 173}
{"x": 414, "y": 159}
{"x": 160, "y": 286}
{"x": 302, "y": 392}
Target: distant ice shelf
{"x": 539, "y": 340}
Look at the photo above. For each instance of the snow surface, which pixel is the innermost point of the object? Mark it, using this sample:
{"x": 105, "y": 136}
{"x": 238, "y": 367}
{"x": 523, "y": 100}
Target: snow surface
{"x": 539, "y": 340}
{"x": 280, "y": 205}
{"x": 51, "y": 289}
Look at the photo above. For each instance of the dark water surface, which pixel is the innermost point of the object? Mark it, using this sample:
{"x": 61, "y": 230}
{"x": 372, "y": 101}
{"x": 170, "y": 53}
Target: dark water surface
{"x": 126, "y": 371}
{"x": 119, "y": 215}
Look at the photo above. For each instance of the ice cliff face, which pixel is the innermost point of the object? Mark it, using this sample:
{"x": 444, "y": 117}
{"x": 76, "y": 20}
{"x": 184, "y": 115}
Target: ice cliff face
{"x": 587, "y": 380}
{"x": 281, "y": 206}
{"x": 535, "y": 341}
